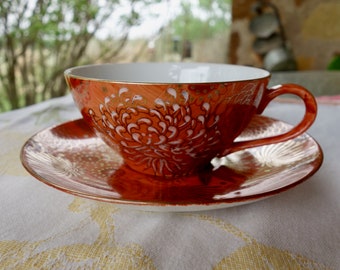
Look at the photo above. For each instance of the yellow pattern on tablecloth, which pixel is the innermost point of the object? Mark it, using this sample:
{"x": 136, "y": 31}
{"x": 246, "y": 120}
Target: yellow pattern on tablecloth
{"x": 255, "y": 255}
{"x": 105, "y": 253}
{"x": 102, "y": 254}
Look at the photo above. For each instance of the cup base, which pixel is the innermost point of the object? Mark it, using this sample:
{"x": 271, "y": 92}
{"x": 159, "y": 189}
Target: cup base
{"x": 203, "y": 184}
{"x": 204, "y": 171}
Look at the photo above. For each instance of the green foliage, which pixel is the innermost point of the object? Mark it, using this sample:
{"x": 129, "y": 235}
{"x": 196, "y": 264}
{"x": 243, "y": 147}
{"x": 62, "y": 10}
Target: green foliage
{"x": 39, "y": 39}
{"x": 207, "y": 19}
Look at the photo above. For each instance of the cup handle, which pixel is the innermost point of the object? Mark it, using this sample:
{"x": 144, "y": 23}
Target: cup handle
{"x": 269, "y": 95}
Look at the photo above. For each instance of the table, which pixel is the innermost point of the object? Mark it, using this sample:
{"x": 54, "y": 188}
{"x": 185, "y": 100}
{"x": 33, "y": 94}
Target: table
{"x": 43, "y": 228}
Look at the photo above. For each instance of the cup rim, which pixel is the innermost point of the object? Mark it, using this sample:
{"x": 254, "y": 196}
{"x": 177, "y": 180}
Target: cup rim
{"x": 83, "y": 72}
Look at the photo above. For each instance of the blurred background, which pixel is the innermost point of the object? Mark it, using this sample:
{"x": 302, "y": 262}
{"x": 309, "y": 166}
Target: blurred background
{"x": 39, "y": 39}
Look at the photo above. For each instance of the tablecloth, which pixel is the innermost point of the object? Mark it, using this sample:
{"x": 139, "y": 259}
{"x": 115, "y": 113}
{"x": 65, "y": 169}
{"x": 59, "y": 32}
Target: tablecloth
{"x": 44, "y": 228}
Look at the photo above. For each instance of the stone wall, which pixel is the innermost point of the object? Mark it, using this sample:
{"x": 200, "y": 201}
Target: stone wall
{"x": 312, "y": 29}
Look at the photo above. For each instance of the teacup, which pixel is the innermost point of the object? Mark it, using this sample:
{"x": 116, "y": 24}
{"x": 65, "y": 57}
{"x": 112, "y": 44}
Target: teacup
{"x": 171, "y": 119}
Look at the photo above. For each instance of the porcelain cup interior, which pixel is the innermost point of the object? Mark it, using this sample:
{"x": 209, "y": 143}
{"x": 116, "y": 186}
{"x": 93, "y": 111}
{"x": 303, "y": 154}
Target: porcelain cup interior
{"x": 171, "y": 119}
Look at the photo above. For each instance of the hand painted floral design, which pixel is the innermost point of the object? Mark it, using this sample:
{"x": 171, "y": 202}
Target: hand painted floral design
{"x": 172, "y": 131}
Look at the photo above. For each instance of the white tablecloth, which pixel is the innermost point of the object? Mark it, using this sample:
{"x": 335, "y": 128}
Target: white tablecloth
{"x": 43, "y": 228}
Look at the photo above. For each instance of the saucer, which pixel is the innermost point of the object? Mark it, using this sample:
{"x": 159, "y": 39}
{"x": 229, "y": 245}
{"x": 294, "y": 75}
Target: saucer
{"x": 71, "y": 158}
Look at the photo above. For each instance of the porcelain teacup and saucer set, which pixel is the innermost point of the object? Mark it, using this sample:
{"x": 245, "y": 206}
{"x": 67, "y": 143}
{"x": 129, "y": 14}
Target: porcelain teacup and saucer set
{"x": 174, "y": 137}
